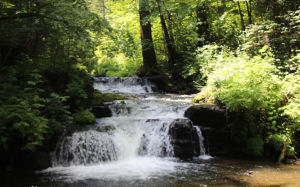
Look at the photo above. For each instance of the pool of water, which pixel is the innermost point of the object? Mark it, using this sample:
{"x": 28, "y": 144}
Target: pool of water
{"x": 156, "y": 172}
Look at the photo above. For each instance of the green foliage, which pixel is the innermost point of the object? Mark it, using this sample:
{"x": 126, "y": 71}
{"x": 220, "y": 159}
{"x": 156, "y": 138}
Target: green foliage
{"x": 278, "y": 141}
{"x": 22, "y": 125}
{"x": 243, "y": 83}
{"x": 255, "y": 146}
{"x": 97, "y": 98}
{"x": 253, "y": 87}
{"x": 118, "y": 66}
{"x": 84, "y": 117}
{"x": 207, "y": 58}
{"x": 291, "y": 87}
{"x": 46, "y": 49}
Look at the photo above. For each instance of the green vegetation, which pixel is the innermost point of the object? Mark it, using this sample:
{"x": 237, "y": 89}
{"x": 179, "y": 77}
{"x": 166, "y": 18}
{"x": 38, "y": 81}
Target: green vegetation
{"x": 84, "y": 117}
{"x": 242, "y": 55}
{"x": 253, "y": 86}
{"x": 99, "y": 98}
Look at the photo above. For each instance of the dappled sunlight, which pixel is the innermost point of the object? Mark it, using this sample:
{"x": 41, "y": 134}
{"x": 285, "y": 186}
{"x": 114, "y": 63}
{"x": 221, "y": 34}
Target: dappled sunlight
{"x": 283, "y": 176}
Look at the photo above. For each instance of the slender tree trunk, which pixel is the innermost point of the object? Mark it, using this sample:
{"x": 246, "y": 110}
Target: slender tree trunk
{"x": 221, "y": 7}
{"x": 248, "y": 4}
{"x": 149, "y": 57}
{"x": 103, "y": 8}
{"x": 202, "y": 24}
{"x": 169, "y": 43}
{"x": 170, "y": 24}
{"x": 241, "y": 15}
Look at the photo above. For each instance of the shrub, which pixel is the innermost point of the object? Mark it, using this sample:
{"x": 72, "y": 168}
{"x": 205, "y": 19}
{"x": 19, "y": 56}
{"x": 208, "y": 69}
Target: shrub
{"x": 117, "y": 66}
{"x": 97, "y": 98}
{"x": 84, "y": 117}
{"x": 255, "y": 146}
{"x": 246, "y": 84}
{"x": 278, "y": 141}
{"x": 291, "y": 88}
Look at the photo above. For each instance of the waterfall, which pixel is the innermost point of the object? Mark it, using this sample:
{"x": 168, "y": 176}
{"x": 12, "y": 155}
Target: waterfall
{"x": 85, "y": 147}
{"x": 138, "y": 128}
{"x": 201, "y": 143}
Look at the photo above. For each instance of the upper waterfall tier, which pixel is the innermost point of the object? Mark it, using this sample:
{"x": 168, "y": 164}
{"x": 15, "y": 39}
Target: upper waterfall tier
{"x": 127, "y": 85}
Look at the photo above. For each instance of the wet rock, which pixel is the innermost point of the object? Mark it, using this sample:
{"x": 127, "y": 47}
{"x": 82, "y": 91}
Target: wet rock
{"x": 106, "y": 128}
{"x": 289, "y": 161}
{"x": 161, "y": 83}
{"x": 206, "y": 115}
{"x": 214, "y": 127}
{"x": 101, "y": 111}
{"x": 182, "y": 133}
{"x": 217, "y": 142}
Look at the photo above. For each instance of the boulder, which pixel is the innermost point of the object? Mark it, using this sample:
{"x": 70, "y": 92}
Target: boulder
{"x": 183, "y": 138}
{"x": 206, "y": 115}
{"x": 214, "y": 127}
{"x": 101, "y": 111}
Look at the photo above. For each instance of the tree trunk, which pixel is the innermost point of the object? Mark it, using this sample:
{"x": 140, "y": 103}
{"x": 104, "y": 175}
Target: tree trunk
{"x": 103, "y": 8}
{"x": 248, "y": 4}
{"x": 149, "y": 57}
{"x": 202, "y": 24}
{"x": 170, "y": 24}
{"x": 168, "y": 40}
{"x": 282, "y": 154}
{"x": 241, "y": 15}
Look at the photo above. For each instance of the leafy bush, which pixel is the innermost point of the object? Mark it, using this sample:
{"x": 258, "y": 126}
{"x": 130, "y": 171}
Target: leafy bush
{"x": 117, "y": 66}
{"x": 207, "y": 58}
{"x": 255, "y": 146}
{"x": 21, "y": 125}
{"x": 245, "y": 84}
{"x": 84, "y": 117}
{"x": 291, "y": 87}
{"x": 97, "y": 98}
{"x": 278, "y": 141}
{"x": 252, "y": 87}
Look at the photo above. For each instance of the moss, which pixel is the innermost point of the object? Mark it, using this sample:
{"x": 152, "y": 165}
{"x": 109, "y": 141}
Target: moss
{"x": 84, "y": 117}
{"x": 99, "y": 98}
{"x": 107, "y": 97}
{"x": 198, "y": 98}
{"x": 204, "y": 97}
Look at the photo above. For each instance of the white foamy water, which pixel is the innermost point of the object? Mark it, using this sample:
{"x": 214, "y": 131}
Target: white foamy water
{"x": 123, "y": 85}
{"x": 134, "y": 168}
{"x": 136, "y": 143}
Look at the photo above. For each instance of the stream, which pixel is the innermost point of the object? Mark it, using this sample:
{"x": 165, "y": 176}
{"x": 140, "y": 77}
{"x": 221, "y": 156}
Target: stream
{"x": 133, "y": 148}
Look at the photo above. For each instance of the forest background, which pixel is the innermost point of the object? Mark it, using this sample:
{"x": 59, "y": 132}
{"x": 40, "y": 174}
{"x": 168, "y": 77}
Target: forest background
{"x": 242, "y": 55}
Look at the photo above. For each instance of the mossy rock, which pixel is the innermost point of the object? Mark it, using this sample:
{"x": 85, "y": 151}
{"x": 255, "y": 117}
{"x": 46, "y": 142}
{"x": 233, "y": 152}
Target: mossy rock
{"x": 84, "y": 117}
{"x": 204, "y": 97}
{"x": 99, "y": 98}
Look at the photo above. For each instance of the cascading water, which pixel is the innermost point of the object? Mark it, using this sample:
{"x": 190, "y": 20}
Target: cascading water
{"x": 136, "y": 141}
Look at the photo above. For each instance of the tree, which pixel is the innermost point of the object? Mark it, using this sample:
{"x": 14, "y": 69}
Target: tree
{"x": 249, "y": 9}
{"x": 149, "y": 57}
{"x": 241, "y": 15}
{"x": 202, "y": 22}
{"x": 169, "y": 42}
